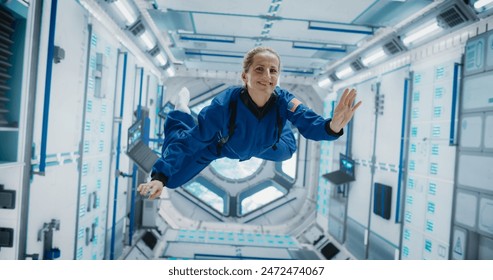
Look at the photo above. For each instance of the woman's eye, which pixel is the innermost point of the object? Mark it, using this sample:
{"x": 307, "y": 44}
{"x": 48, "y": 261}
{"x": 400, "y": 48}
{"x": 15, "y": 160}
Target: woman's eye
{"x": 259, "y": 69}
{"x": 273, "y": 70}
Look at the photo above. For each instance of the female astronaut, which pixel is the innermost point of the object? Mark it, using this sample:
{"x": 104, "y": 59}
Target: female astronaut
{"x": 241, "y": 122}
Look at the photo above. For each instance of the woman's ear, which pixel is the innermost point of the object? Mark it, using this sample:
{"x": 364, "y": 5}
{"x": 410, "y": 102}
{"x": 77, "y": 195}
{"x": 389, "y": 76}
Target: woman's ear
{"x": 244, "y": 77}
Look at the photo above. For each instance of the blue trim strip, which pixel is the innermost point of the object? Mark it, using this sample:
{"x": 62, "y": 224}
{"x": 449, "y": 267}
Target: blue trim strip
{"x": 306, "y": 72}
{"x": 189, "y": 38}
{"x": 49, "y": 71}
{"x": 457, "y": 69}
{"x": 348, "y": 138}
{"x": 213, "y": 54}
{"x": 310, "y": 27}
{"x": 118, "y": 151}
{"x": 320, "y": 48}
{"x": 161, "y": 88}
{"x": 401, "y": 154}
{"x": 382, "y": 200}
{"x": 222, "y": 257}
{"x": 139, "y": 110}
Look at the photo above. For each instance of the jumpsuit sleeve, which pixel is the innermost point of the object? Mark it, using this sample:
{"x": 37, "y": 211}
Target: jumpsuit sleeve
{"x": 188, "y": 142}
{"x": 310, "y": 124}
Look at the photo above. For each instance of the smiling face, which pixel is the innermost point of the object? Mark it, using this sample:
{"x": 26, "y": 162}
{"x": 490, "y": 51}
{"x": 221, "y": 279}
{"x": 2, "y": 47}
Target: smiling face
{"x": 262, "y": 74}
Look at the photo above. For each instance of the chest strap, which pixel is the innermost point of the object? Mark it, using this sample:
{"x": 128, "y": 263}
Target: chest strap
{"x": 232, "y": 125}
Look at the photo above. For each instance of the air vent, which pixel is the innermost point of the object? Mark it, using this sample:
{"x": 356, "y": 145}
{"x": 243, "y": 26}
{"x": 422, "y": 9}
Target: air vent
{"x": 452, "y": 17}
{"x": 154, "y": 51}
{"x": 333, "y": 77}
{"x": 6, "y": 52}
{"x": 357, "y": 65}
{"x": 137, "y": 29}
{"x": 393, "y": 46}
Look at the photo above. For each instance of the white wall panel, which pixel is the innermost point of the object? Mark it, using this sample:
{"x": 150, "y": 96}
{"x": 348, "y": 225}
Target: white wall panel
{"x": 359, "y": 196}
{"x": 470, "y": 128}
{"x": 54, "y": 195}
{"x": 489, "y": 52}
{"x": 363, "y": 122}
{"x": 412, "y": 241}
{"x": 475, "y": 171}
{"x": 467, "y": 208}
{"x": 477, "y": 92}
{"x": 488, "y": 132}
{"x": 387, "y": 149}
{"x": 96, "y": 151}
{"x": 485, "y": 217}
{"x": 362, "y": 147}
{"x": 431, "y": 161}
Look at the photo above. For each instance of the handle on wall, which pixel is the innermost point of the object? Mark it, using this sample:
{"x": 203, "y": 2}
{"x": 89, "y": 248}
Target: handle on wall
{"x": 47, "y": 96}
{"x": 453, "y": 113}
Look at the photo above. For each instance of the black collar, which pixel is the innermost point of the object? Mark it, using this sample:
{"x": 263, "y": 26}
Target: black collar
{"x": 259, "y": 112}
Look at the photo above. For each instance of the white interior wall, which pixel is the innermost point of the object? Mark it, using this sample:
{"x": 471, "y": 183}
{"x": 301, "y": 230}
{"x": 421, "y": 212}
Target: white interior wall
{"x": 54, "y": 195}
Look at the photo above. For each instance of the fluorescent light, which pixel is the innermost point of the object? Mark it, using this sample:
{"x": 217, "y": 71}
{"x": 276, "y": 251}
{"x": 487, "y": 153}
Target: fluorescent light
{"x": 422, "y": 32}
{"x": 170, "y": 71}
{"x": 481, "y": 3}
{"x": 182, "y": 31}
{"x": 341, "y": 74}
{"x": 324, "y": 83}
{"x": 373, "y": 57}
{"x": 161, "y": 59}
{"x": 126, "y": 11}
{"x": 147, "y": 39}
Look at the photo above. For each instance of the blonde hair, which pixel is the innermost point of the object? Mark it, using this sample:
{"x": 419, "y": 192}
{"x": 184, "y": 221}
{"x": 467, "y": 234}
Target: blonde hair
{"x": 248, "y": 59}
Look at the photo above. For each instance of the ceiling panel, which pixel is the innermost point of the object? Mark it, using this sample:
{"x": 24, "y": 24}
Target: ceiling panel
{"x": 212, "y": 66}
{"x": 238, "y": 7}
{"x": 298, "y": 31}
{"x": 240, "y": 45}
{"x": 228, "y": 25}
{"x": 300, "y": 62}
{"x": 276, "y": 23}
{"x": 236, "y": 61}
{"x": 286, "y": 48}
{"x": 324, "y": 10}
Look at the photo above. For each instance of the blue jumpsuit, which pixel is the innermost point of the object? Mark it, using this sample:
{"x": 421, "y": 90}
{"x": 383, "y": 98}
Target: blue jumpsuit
{"x": 189, "y": 147}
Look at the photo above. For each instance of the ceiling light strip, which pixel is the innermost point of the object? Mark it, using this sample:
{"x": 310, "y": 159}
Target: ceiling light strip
{"x": 97, "y": 12}
{"x": 213, "y": 54}
{"x": 327, "y": 49}
{"x": 299, "y": 71}
{"x": 206, "y": 39}
{"x": 312, "y": 25}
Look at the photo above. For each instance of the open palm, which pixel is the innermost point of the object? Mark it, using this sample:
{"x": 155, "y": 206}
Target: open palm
{"x": 344, "y": 111}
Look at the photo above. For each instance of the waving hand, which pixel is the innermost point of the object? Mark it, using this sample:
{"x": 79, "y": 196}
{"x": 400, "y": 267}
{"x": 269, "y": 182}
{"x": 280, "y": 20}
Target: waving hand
{"x": 344, "y": 111}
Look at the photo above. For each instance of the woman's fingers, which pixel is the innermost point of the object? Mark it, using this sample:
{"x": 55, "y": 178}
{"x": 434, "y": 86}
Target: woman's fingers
{"x": 145, "y": 189}
{"x": 356, "y": 106}
{"x": 342, "y": 101}
{"x": 156, "y": 194}
{"x": 152, "y": 189}
{"x": 347, "y": 97}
